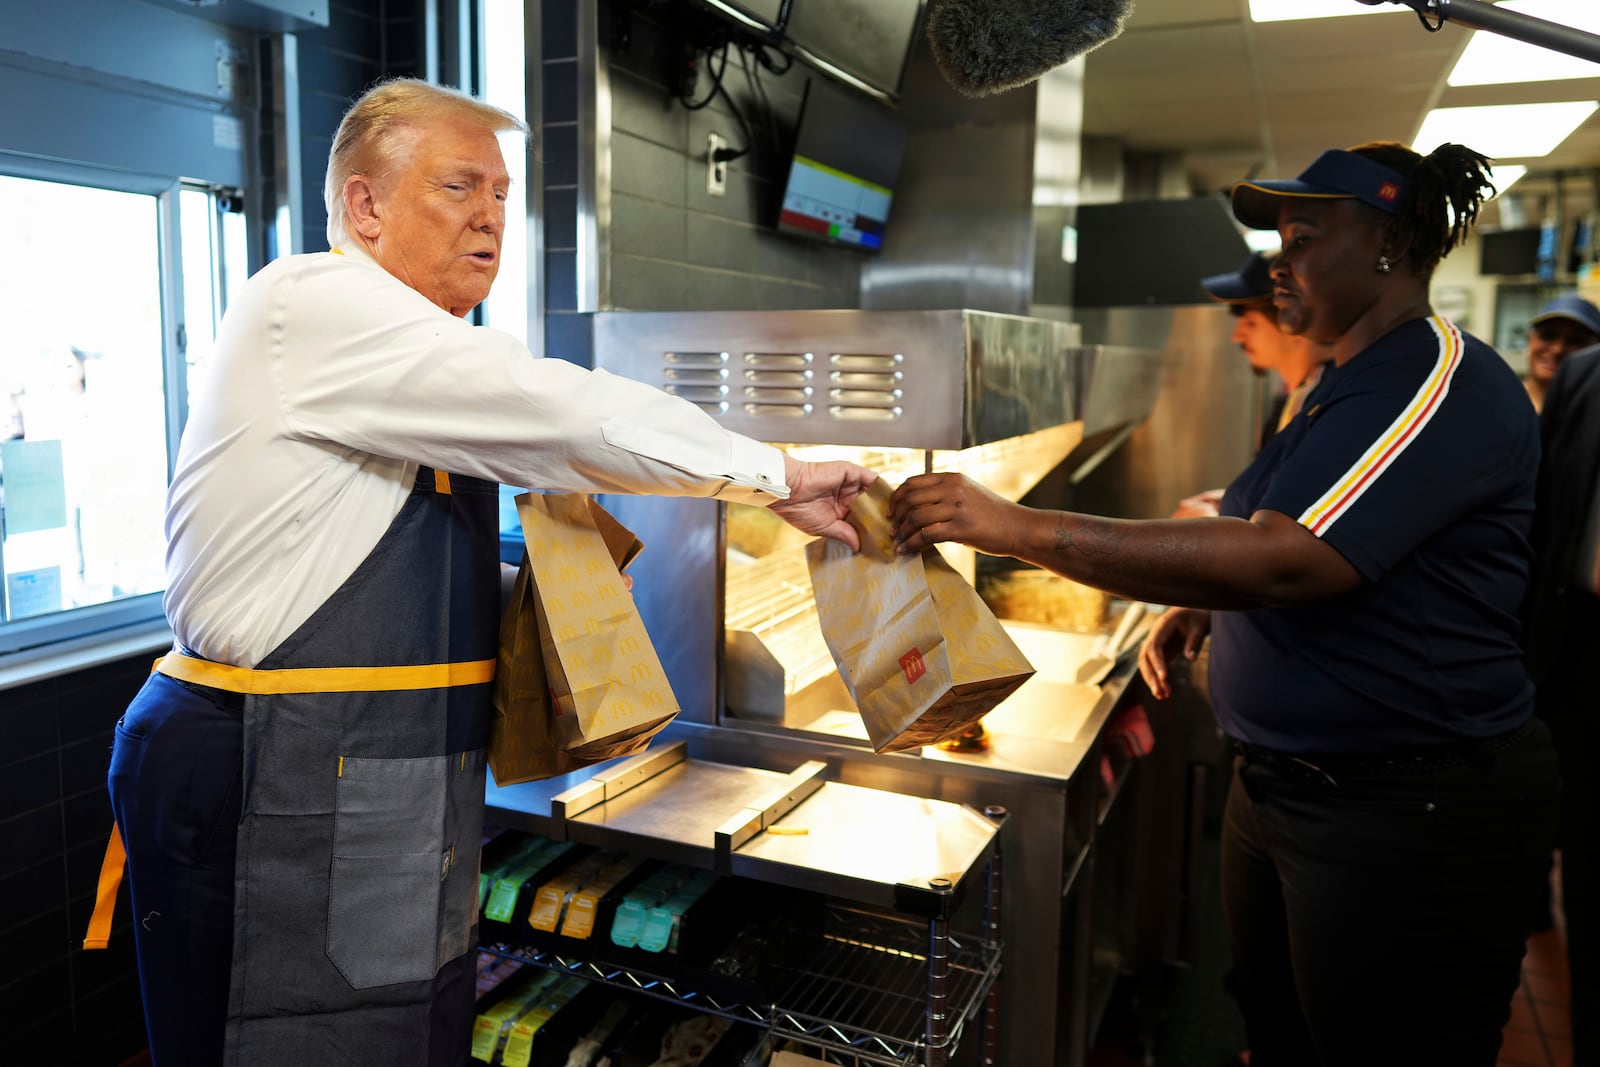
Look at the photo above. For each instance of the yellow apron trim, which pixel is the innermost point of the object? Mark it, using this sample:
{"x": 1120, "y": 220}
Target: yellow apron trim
{"x": 105, "y": 901}
{"x": 325, "y": 679}
{"x": 441, "y": 483}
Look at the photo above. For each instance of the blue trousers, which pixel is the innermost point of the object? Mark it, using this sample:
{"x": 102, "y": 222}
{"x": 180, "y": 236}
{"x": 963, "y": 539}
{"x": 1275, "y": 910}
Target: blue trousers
{"x": 175, "y": 789}
{"x": 1380, "y": 918}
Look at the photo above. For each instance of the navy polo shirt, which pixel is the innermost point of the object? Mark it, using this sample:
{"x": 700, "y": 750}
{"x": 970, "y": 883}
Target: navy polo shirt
{"x": 1416, "y": 460}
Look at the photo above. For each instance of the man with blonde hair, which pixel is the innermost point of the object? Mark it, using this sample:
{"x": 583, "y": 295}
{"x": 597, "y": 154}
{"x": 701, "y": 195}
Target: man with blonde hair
{"x": 300, "y": 785}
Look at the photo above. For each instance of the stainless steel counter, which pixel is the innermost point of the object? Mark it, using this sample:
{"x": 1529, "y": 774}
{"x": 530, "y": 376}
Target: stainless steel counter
{"x": 849, "y": 842}
{"x": 883, "y": 829}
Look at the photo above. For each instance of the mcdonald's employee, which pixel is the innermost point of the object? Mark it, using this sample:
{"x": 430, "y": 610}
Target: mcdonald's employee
{"x": 300, "y": 785}
{"x": 1394, "y": 803}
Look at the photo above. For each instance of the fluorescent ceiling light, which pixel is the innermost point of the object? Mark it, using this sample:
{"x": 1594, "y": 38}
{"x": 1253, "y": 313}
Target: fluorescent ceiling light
{"x": 1284, "y": 10}
{"x": 1506, "y": 176}
{"x": 1504, "y": 131}
{"x": 1490, "y": 59}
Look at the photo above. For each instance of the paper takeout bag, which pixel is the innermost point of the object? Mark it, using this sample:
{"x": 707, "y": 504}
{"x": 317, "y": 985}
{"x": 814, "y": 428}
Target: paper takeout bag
{"x": 577, "y": 680}
{"x": 920, "y": 652}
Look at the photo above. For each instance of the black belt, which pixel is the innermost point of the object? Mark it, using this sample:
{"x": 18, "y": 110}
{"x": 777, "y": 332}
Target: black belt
{"x": 1329, "y": 769}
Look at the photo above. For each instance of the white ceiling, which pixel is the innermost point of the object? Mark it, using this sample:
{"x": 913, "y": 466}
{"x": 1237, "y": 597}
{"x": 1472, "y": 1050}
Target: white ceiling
{"x": 1234, "y": 98}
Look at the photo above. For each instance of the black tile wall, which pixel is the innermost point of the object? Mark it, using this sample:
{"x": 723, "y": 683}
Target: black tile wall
{"x": 558, "y": 26}
{"x": 568, "y": 336}
{"x": 673, "y": 245}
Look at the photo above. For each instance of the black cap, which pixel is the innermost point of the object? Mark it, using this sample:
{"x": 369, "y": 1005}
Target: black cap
{"x": 1252, "y": 282}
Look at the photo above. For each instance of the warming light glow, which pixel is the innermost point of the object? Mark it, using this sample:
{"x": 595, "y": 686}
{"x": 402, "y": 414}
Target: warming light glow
{"x": 1493, "y": 59}
{"x": 1504, "y": 131}
{"x": 1285, "y": 10}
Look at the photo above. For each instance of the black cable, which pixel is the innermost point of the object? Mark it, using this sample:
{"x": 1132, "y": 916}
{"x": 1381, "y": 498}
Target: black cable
{"x": 760, "y": 92}
{"x": 715, "y": 68}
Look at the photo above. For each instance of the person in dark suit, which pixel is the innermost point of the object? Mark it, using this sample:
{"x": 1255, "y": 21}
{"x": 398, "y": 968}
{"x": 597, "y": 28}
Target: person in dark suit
{"x": 1563, "y": 639}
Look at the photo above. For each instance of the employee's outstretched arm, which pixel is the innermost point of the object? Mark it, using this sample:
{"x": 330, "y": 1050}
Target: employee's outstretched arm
{"x": 1223, "y": 563}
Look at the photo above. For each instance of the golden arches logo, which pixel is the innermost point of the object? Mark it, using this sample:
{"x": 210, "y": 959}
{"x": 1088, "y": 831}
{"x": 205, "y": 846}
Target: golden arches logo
{"x": 912, "y": 665}
{"x": 629, "y": 645}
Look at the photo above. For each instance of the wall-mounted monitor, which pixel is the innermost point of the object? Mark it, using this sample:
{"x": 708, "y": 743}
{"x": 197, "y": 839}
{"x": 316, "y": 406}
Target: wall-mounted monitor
{"x": 862, "y": 42}
{"x": 847, "y": 154}
{"x": 1509, "y": 251}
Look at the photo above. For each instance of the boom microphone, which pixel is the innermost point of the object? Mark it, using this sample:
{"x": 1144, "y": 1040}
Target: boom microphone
{"x": 985, "y": 47}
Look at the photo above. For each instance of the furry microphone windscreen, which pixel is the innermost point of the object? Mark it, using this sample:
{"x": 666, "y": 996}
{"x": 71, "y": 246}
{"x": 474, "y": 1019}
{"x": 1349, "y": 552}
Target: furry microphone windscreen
{"x": 984, "y": 47}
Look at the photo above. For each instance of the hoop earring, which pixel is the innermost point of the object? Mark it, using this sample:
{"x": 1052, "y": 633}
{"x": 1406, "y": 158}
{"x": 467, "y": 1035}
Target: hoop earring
{"x": 1384, "y": 265}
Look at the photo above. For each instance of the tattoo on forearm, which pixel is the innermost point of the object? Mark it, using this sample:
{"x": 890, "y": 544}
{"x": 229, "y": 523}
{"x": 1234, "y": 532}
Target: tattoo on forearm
{"x": 1091, "y": 537}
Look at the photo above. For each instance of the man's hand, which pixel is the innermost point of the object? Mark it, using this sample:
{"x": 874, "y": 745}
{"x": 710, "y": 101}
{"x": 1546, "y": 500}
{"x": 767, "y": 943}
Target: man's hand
{"x": 820, "y": 495}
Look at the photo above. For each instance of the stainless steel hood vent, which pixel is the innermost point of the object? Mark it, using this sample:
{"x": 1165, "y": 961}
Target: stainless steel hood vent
{"x": 947, "y": 379}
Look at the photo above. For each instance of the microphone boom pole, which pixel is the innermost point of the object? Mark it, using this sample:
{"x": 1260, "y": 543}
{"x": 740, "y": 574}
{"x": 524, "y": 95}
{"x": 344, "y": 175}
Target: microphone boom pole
{"x": 1476, "y": 15}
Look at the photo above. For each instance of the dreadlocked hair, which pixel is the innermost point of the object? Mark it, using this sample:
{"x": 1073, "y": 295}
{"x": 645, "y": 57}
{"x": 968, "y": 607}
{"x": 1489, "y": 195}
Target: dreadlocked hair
{"x": 1444, "y": 190}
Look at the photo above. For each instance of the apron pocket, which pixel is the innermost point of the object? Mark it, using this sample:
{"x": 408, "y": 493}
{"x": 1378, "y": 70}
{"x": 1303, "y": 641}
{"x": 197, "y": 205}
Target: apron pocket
{"x": 383, "y": 896}
{"x": 379, "y": 911}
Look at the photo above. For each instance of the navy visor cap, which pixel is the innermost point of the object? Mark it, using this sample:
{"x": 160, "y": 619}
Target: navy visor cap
{"x": 1335, "y": 175}
{"x": 1575, "y": 308}
{"x": 1250, "y": 283}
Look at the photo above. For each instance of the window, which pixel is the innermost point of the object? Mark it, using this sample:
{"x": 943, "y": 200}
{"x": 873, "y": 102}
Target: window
{"x": 102, "y": 286}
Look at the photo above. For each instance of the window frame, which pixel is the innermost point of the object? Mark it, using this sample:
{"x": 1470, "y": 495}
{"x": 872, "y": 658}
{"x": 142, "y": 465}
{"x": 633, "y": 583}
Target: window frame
{"x": 33, "y": 636}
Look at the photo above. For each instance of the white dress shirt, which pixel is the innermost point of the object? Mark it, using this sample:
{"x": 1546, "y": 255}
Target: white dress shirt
{"x": 331, "y": 382}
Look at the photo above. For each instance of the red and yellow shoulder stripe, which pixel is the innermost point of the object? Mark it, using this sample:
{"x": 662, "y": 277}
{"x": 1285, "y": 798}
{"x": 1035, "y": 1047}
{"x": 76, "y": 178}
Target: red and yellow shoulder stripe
{"x": 1417, "y": 413}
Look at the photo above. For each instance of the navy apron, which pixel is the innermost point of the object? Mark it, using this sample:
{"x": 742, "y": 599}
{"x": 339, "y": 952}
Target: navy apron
{"x": 362, "y": 791}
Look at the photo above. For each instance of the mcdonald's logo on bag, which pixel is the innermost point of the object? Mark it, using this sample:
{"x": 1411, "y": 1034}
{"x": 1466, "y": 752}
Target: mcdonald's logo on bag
{"x": 629, "y": 645}
{"x": 912, "y": 666}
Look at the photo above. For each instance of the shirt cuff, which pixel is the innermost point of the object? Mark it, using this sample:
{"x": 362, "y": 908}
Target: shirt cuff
{"x": 755, "y": 473}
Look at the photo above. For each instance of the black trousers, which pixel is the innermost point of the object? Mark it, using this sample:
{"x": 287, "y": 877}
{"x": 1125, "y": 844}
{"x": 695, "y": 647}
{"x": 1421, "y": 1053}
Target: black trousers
{"x": 1380, "y": 917}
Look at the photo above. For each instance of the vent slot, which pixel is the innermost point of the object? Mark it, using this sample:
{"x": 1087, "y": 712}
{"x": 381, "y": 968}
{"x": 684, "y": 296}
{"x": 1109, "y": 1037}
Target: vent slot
{"x": 859, "y": 380}
{"x": 780, "y": 411}
{"x": 699, "y": 393}
{"x": 695, "y": 359}
{"x": 843, "y": 413}
{"x": 697, "y": 375}
{"x": 778, "y": 360}
{"x": 777, "y": 377}
{"x": 778, "y": 396}
{"x": 864, "y": 398}
{"x": 866, "y": 361}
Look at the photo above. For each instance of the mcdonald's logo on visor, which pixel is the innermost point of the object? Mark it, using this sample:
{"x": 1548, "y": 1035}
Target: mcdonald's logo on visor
{"x": 1388, "y": 192}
